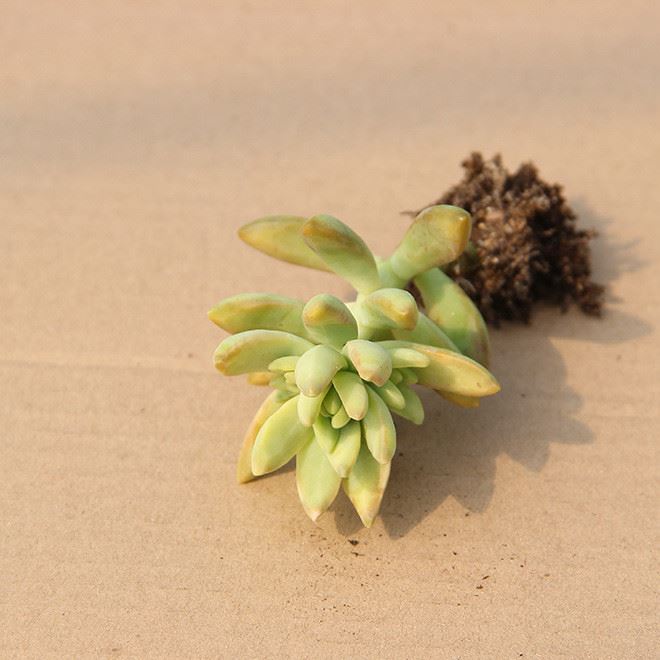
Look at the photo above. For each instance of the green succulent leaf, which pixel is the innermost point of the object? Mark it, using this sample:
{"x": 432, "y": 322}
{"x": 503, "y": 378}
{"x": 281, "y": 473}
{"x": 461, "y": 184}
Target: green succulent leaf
{"x": 318, "y": 482}
{"x": 316, "y": 369}
{"x": 425, "y": 332}
{"x": 332, "y": 402}
{"x": 309, "y": 408}
{"x": 353, "y": 394}
{"x": 325, "y": 434}
{"x": 413, "y": 410}
{"x": 391, "y": 395}
{"x": 409, "y": 376}
{"x": 272, "y": 404}
{"x": 279, "y": 439}
{"x": 437, "y": 236}
{"x": 370, "y": 359}
{"x": 343, "y": 251}
{"x": 254, "y": 350}
{"x": 345, "y": 453}
{"x": 451, "y": 372}
{"x": 340, "y": 418}
{"x": 265, "y": 311}
{"x": 329, "y": 321}
{"x": 390, "y": 308}
{"x": 366, "y": 485}
{"x": 280, "y": 236}
{"x": 452, "y": 309}
{"x": 378, "y": 428}
{"x": 284, "y": 364}
{"x": 408, "y": 357}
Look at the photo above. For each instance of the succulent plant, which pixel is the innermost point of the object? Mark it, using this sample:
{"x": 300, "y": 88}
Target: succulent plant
{"x": 339, "y": 370}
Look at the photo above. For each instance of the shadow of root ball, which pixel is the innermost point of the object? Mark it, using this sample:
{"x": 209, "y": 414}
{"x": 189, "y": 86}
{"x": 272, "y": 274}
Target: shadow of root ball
{"x": 525, "y": 243}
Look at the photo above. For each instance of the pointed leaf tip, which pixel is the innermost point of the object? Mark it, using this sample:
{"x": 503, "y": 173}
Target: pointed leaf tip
{"x": 317, "y": 481}
{"x": 366, "y": 485}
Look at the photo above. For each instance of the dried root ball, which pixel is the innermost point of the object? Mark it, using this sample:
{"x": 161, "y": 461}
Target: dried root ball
{"x": 526, "y": 244}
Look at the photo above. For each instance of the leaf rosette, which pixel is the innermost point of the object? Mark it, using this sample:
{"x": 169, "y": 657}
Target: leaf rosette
{"x": 339, "y": 371}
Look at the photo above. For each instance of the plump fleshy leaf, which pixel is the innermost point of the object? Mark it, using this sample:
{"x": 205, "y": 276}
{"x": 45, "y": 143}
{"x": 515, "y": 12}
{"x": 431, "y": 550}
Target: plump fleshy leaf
{"x": 264, "y": 311}
{"x": 343, "y": 456}
{"x": 391, "y": 395}
{"x": 272, "y": 403}
{"x": 340, "y": 418}
{"x": 332, "y": 402}
{"x": 378, "y": 428}
{"x": 309, "y": 408}
{"x": 329, "y": 321}
{"x": 372, "y": 361}
{"x": 407, "y": 357}
{"x": 353, "y": 394}
{"x": 390, "y": 308}
{"x": 453, "y": 310}
{"x": 451, "y": 372}
{"x": 343, "y": 251}
{"x": 437, "y": 236}
{"x": 316, "y": 369}
{"x": 409, "y": 376}
{"x": 426, "y": 332}
{"x": 325, "y": 434}
{"x": 280, "y": 236}
{"x": 284, "y": 364}
{"x": 279, "y": 439}
{"x": 366, "y": 485}
{"x": 317, "y": 480}
{"x": 413, "y": 410}
{"x": 254, "y": 350}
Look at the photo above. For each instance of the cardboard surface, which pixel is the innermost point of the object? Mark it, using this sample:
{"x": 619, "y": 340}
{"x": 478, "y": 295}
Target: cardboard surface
{"x": 134, "y": 139}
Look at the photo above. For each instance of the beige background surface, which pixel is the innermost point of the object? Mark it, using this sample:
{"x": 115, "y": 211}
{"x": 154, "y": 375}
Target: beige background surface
{"x": 135, "y": 137}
